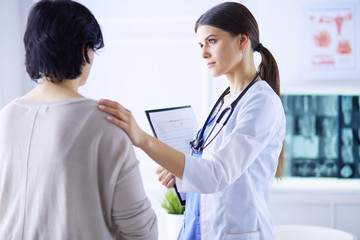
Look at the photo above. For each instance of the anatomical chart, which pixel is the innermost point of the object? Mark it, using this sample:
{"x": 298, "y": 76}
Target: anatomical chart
{"x": 333, "y": 47}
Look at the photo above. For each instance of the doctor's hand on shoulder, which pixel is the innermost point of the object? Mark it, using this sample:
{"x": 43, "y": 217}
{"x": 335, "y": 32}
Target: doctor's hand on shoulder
{"x": 124, "y": 119}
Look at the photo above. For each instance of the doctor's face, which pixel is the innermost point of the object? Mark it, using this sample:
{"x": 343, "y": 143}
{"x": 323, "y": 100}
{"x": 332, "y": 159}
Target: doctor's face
{"x": 220, "y": 50}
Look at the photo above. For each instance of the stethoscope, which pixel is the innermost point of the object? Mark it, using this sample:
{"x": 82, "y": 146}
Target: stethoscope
{"x": 198, "y": 144}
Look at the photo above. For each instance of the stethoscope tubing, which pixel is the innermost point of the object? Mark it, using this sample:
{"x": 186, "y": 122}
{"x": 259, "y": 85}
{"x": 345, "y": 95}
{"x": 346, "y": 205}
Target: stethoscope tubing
{"x": 200, "y": 147}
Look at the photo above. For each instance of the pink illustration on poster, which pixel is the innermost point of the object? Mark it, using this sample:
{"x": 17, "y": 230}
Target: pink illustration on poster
{"x": 332, "y": 38}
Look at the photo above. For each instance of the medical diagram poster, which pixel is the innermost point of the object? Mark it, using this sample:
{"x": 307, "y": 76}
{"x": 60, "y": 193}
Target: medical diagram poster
{"x": 332, "y": 41}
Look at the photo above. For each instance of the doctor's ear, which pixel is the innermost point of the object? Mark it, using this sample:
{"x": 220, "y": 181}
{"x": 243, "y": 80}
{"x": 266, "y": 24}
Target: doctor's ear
{"x": 242, "y": 40}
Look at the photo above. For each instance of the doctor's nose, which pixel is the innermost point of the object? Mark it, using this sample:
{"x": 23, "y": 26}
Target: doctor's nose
{"x": 205, "y": 53}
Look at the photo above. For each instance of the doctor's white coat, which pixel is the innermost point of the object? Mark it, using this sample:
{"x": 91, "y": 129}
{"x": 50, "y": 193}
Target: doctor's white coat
{"x": 235, "y": 174}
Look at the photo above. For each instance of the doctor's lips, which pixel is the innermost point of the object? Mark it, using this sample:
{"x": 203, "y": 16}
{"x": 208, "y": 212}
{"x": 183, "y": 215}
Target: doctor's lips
{"x": 210, "y": 64}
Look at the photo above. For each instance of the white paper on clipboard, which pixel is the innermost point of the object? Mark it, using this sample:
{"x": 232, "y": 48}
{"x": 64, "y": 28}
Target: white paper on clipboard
{"x": 175, "y": 126}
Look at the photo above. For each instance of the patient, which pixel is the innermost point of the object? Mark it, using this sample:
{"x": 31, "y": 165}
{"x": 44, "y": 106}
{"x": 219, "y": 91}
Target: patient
{"x": 62, "y": 173}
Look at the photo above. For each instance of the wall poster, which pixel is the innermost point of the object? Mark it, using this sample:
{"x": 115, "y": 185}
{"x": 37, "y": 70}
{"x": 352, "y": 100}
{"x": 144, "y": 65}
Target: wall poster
{"x": 331, "y": 40}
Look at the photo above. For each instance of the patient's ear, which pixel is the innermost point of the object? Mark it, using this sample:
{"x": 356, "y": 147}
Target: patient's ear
{"x": 85, "y": 53}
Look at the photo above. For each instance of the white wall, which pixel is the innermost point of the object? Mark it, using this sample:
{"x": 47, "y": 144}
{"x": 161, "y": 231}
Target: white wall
{"x": 11, "y": 60}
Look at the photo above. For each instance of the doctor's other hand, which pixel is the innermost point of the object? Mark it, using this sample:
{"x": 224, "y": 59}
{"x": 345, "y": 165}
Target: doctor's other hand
{"x": 165, "y": 177}
{"x": 124, "y": 119}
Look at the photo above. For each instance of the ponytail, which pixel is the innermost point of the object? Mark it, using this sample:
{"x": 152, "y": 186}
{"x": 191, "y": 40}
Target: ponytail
{"x": 270, "y": 73}
{"x": 269, "y": 70}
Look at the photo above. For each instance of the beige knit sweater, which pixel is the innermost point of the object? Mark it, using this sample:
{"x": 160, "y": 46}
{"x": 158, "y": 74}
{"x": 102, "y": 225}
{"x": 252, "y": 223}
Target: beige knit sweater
{"x": 67, "y": 173}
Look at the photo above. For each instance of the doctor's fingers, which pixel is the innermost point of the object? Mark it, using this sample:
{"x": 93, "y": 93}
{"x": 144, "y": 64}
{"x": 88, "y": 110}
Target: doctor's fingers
{"x": 115, "y": 109}
{"x": 167, "y": 179}
{"x": 169, "y": 182}
{"x": 109, "y": 103}
{"x": 162, "y": 173}
{"x": 159, "y": 169}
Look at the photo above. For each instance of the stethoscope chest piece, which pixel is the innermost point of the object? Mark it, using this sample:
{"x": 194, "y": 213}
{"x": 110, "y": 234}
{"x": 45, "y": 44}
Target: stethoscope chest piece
{"x": 197, "y": 145}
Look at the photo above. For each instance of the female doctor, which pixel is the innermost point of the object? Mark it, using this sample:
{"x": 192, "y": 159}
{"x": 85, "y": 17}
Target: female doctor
{"x": 236, "y": 154}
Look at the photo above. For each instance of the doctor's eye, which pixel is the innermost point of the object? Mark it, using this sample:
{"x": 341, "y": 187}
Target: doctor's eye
{"x": 212, "y": 40}
{"x": 201, "y": 45}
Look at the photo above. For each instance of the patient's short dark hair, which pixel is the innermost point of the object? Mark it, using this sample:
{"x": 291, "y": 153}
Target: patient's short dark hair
{"x": 57, "y": 37}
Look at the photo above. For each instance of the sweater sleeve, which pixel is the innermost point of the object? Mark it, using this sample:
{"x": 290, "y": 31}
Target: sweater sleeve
{"x": 131, "y": 209}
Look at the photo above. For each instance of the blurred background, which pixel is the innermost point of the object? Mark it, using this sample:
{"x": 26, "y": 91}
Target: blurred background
{"x": 152, "y": 60}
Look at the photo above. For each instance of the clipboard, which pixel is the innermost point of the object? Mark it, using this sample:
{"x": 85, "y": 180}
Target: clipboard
{"x": 175, "y": 126}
